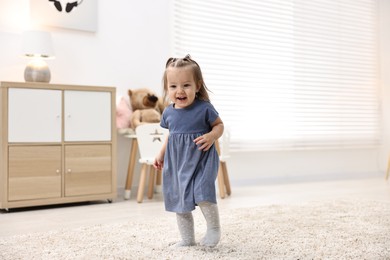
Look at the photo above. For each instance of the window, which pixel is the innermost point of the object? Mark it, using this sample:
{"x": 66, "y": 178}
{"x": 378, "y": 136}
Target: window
{"x": 287, "y": 74}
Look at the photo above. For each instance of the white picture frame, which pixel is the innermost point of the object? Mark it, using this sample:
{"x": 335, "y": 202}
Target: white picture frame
{"x": 73, "y": 14}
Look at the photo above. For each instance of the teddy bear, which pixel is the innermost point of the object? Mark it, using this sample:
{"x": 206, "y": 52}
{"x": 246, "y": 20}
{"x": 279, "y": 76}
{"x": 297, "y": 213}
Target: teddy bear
{"x": 146, "y": 107}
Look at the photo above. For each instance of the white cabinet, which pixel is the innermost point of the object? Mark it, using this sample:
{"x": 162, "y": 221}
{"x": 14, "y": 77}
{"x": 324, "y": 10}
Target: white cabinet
{"x": 87, "y": 116}
{"x": 34, "y": 115}
{"x": 58, "y": 144}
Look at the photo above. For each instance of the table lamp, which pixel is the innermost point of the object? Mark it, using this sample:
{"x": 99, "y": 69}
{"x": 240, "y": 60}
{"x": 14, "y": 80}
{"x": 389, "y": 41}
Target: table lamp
{"x": 37, "y": 46}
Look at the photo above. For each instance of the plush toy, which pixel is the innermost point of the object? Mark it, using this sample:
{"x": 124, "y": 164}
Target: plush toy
{"x": 146, "y": 107}
{"x": 123, "y": 113}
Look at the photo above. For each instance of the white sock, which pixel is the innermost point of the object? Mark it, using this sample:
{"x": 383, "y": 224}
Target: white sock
{"x": 185, "y": 222}
{"x": 213, "y": 234}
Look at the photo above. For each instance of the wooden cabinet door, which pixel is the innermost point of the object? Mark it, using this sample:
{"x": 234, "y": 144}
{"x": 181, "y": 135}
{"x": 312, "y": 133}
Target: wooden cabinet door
{"x": 87, "y": 116}
{"x": 34, "y": 172}
{"x": 88, "y": 169}
{"x": 34, "y": 115}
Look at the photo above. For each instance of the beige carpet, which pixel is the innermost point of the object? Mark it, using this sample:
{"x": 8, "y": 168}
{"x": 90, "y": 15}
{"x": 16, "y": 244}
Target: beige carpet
{"x": 332, "y": 230}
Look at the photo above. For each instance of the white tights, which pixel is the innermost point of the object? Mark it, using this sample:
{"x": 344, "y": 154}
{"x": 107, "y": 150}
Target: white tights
{"x": 185, "y": 222}
{"x": 213, "y": 234}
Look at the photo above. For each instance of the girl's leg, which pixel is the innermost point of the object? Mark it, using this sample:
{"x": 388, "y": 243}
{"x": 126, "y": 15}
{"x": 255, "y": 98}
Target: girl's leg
{"x": 185, "y": 222}
{"x": 213, "y": 234}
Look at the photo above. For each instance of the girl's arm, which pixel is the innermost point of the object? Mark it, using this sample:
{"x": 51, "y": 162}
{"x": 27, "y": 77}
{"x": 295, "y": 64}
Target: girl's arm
{"x": 159, "y": 160}
{"x": 207, "y": 140}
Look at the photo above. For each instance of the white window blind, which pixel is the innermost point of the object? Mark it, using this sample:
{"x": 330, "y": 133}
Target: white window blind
{"x": 287, "y": 74}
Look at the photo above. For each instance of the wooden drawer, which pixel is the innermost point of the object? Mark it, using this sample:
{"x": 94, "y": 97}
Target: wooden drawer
{"x": 34, "y": 172}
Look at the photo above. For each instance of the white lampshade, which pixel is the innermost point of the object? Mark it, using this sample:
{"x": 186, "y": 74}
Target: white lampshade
{"x": 38, "y": 46}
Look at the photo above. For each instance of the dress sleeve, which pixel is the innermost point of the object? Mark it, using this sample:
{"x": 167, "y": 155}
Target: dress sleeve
{"x": 212, "y": 114}
{"x": 163, "y": 121}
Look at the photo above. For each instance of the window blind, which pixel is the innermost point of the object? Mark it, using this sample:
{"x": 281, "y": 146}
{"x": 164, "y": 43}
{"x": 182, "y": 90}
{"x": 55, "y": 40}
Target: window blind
{"x": 287, "y": 74}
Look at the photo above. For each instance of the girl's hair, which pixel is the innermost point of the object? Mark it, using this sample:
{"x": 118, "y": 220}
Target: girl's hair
{"x": 198, "y": 77}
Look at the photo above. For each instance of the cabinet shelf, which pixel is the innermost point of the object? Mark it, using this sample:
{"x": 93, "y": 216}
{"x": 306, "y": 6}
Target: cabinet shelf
{"x": 58, "y": 144}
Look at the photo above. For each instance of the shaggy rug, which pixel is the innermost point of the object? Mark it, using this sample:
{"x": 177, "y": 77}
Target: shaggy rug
{"x": 317, "y": 230}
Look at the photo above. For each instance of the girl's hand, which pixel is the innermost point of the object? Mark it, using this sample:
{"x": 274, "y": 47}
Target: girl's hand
{"x": 207, "y": 140}
{"x": 159, "y": 162}
{"x": 204, "y": 142}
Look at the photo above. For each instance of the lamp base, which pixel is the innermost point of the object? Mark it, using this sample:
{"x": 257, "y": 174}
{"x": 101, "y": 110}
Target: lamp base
{"x": 37, "y": 71}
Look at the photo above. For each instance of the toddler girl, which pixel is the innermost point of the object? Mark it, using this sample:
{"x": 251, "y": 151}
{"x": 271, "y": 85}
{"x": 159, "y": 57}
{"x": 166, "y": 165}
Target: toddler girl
{"x": 188, "y": 158}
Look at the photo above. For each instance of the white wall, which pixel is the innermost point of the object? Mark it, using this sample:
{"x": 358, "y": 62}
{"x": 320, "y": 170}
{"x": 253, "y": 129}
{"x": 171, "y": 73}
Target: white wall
{"x": 129, "y": 50}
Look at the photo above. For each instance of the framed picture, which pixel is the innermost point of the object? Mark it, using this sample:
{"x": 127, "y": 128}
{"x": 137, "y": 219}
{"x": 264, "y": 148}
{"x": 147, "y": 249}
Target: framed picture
{"x": 76, "y": 14}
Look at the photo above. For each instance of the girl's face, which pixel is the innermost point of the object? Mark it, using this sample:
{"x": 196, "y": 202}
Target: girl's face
{"x": 181, "y": 86}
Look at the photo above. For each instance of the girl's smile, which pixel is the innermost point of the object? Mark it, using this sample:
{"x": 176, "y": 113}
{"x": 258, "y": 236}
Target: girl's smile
{"x": 182, "y": 87}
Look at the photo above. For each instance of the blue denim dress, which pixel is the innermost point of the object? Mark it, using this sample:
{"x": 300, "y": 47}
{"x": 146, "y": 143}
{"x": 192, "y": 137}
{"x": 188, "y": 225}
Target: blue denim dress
{"x": 189, "y": 174}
